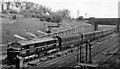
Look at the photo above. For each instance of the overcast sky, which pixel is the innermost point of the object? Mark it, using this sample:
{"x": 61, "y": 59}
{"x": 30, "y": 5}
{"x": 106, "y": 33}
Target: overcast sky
{"x": 93, "y": 8}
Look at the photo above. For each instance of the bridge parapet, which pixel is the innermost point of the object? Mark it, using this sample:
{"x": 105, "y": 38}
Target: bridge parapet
{"x": 103, "y": 21}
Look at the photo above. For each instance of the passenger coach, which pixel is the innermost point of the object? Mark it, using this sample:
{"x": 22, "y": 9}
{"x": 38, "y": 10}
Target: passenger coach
{"x": 70, "y": 40}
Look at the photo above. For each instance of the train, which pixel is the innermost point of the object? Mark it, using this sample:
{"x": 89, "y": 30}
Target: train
{"x": 38, "y": 47}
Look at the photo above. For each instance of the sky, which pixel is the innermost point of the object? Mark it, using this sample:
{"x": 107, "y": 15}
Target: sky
{"x": 87, "y": 8}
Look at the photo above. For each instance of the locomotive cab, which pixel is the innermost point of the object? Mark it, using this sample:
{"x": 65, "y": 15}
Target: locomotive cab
{"x": 12, "y": 51}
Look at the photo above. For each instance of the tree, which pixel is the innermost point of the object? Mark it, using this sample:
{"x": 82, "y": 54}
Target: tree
{"x": 4, "y": 11}
{"x": 44, "y": 9}
{"x": 57, "y": 17}
{"x": 65, "y": 13}
{"x": 8, "y": 5}
{"x": 80, "y": 18}
{"x": 14, "y": 17}
{"x": 26, "y": 13}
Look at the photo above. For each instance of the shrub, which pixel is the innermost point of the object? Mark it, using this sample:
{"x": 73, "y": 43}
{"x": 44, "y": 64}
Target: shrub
{"x": 5, "y": 11}
{"x": 47, "y": 18}
{"x": 14, "y": 16}
{"x": 80, "y": 18}
{"x": 13, "y": 12}
{"x": 57, "y": 17}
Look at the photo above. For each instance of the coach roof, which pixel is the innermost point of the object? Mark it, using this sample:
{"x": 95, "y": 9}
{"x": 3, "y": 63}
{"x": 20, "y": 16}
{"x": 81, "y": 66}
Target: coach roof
{"x": 36, "y": 40}
{"x": 71, "y": 35}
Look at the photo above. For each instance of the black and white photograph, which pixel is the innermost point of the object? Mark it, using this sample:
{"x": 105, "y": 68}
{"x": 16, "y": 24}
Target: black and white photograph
{"x": 59, "y": 34}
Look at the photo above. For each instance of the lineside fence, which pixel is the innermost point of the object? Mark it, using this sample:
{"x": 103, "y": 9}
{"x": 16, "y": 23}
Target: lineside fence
{"x": 74, "y": 30}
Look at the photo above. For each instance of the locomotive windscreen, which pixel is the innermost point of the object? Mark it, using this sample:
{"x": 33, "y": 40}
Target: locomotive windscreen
{"x": 14, "y": 46}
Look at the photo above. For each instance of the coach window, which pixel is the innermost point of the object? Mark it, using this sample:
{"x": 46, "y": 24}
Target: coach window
{"x": 45, "y": 43}
{"x": 41, "y": 44}
{"x": 36, "y": 45}
{"x": 49, "y": 42}
{"x": 86, "y": 35}
{"x": 64, "y": 40}
{"x": 76, "y": 37}
{"x": 54, "y": 41}
{"x": 73, "y": 38}
{"x": 67, "y": 39}
{"x": 27, "y": 52}
{"x": 26, "y": 47}
{"x": 70, "y": 38}
{"x": 54, "y": 46}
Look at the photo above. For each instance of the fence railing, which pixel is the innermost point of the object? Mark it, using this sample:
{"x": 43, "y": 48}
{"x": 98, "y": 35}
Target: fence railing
{"x": 74, "y": 30}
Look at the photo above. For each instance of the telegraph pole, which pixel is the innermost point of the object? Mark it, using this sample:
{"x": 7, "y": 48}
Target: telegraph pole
{"x": 85, "y": 14}
{"x": 86, "y": 51}
{"x": 44, "y": 25}
{"x": 78, "y": 13}
{"x": 78, "y": 53}
{"x": 2, "y": 6}
{"x": 118, "y": 17}
{"x": 89, "y": 52}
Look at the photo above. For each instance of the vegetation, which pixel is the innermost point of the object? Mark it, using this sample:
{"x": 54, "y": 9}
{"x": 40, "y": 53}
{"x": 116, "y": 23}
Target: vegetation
{"x": 5, "y": 11}
{"x": 14, "y": 17}
{"x": 31, "y": 9}
{"x": 55, "y": 17}
{"x": 80, "y": 18}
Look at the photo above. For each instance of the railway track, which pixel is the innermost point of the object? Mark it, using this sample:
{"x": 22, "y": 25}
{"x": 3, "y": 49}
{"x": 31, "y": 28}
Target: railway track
{"x": 58, "y": 63}
{"x": 109, "y": 62}
{"x": 93, "y": 43}
{"x": 116, "y": 64}
{"x": 104, "y": 47}
{"x": 55, "y": 64}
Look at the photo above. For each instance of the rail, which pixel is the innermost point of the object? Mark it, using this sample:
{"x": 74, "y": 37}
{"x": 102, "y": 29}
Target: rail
{"x": 110, "y": 60}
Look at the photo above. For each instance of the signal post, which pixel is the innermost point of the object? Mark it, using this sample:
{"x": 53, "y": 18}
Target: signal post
{"x": 87, "y": 63}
